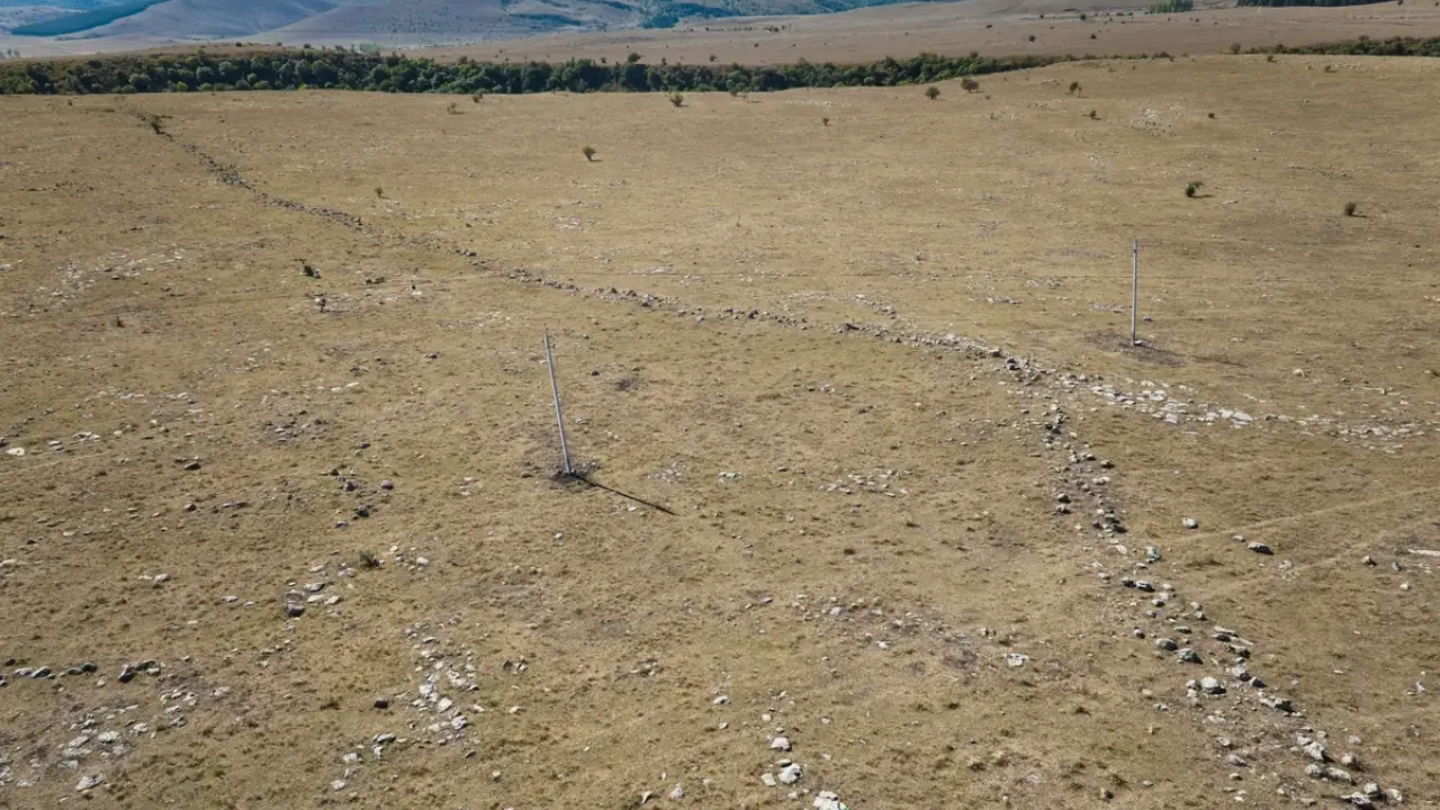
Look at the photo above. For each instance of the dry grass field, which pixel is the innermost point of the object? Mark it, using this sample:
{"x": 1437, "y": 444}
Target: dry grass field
{"x": 881, "y": 474}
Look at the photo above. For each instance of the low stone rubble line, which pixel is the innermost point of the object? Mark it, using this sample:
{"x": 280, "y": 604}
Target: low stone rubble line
{"x": 1078, "y": 481}
{"x": 1150, "y": 398}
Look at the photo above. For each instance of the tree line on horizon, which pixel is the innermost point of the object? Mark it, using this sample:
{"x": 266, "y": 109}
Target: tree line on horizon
{"x": 1325, "y": 3}
{"x": 350, "y": 70}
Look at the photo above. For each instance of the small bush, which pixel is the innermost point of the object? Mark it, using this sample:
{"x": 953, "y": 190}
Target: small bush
{"x": 825, "y": 121}
{"x": 589, "y": 152}
{"x": 369, "y": 560}
{"x": 676, "y": 100}
{"x": 1269, "y": 57}
{"x": 1193, "y": 188}
{"x": 155, "y": 121}
{"x": 476, "y": 98}
{"x": 970, "y": 85}
{"x": 1094, "y": 115}
{"x": 932, "y": 92}
{"x": 1234, "y": 47}
{"x": 1074, "y": 88}
{"x": 1350, "y": 209}
{"x": 1032, "y": 38}
{"x": 379, "y": 193}
{"x": 453, "y": 108}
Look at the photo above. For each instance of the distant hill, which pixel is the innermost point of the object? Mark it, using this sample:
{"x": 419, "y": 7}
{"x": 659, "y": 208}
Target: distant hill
{"x": 395, "y": 23}
{"x": 15, "y": 16}
{"x": 213, "y": 19}
{"x": 419, "y": 22}
{"x": 436, "y": 21}
{"x": 74, "y": 22}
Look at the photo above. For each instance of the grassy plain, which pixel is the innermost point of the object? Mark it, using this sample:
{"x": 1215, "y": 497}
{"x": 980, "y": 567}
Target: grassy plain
{"x": 857, "y": 341}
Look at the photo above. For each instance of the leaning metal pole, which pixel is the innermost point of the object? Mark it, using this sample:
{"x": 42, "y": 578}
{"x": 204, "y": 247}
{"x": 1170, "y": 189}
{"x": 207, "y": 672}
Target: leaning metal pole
{"x": 559, "y": 415}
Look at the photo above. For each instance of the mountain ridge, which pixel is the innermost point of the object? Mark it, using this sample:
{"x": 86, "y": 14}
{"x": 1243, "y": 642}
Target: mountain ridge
{"x": 394, "y": 23}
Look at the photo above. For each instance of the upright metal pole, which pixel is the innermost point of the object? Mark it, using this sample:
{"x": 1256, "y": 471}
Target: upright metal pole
{"x": 559, "y": 416}
{"x": 1134, "y": 292}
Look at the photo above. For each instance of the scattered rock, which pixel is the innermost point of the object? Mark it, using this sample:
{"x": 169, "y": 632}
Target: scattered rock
{"x": 790, "y": 773}
{"x": 89, "y": 782}
{"x": 780, "y": 744}
{"x": 1260, "y": 548}
{"x": 1190, "y": 523}
{"x": 1279, "y": 704}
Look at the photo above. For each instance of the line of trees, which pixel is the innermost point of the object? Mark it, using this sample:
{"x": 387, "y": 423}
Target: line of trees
{"x": 1278, "y": 3}
{"x": 1365, "y": 46}
{"x": 350, "y": 70}
{"x": 1172, "y": 7}
{"x": 342, "y": 69}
